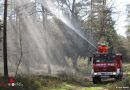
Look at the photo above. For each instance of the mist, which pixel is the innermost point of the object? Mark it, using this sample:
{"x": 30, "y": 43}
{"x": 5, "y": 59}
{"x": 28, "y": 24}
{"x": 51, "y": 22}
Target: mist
{"x": 41, "y": 46}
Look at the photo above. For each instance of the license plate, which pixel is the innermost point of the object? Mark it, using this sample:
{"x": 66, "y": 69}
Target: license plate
{"x": 103, "y": 73}
{"x": 105, "y": 76}
{"x": 106, "y": 73}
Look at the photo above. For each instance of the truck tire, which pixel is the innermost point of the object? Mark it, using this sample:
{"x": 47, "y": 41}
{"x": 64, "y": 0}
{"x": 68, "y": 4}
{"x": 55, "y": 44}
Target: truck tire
{"x": 96, "y": 79}
{"x": 118, "y": 78}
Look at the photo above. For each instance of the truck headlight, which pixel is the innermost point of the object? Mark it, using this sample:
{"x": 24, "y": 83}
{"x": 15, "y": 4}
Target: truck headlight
{"x": 114, "y": 73}
{"x": 95, "y": 73}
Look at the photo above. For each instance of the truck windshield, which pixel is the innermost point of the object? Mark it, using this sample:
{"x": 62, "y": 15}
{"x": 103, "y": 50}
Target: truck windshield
{"x": 104, "y": 58}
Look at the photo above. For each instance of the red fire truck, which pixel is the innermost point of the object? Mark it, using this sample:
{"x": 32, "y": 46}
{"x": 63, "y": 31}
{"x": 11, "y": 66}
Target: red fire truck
{"x": 106, "y": 65}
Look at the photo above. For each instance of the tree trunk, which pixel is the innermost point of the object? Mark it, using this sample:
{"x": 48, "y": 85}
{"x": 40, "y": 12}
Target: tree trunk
{"x": 74, "y": 61}
{"x": 5, "y": 41}
{"x": 73, "y": 8}
{"x": 49, "y": 68}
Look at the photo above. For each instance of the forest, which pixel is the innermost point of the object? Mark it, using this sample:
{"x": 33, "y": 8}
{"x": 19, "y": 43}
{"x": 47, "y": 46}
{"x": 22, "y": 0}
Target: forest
{"x": 48, "y": 43}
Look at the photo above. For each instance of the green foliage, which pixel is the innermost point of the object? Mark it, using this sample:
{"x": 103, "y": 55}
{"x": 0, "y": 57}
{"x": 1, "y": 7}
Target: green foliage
{"x": 126, "y": 67}
{"x": 128, "y": 20}
{"x": 101, "y": 23}
{"x": 120, "y": 84}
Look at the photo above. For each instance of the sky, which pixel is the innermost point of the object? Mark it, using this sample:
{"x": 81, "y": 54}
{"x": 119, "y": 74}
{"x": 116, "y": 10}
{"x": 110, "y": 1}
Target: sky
{"x": 120, "y": 6}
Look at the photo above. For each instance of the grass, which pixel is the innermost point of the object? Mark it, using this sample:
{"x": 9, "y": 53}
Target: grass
{"x": 53, "y": 83}
{"x": 48, "y": 83}
{"x": 120, "y": 84}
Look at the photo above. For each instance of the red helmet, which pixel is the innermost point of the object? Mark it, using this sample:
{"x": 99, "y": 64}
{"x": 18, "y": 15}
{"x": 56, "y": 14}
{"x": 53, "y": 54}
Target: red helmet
{"x": 103, "y": 49}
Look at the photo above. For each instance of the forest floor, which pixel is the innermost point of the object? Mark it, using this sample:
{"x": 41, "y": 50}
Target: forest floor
{"x": 67, "y": 83}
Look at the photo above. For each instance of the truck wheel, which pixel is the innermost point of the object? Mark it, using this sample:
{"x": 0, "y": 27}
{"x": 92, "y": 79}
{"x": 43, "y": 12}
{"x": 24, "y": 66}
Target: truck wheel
{"x": 118, "y": 78}
{"x": 96, "y": 80}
